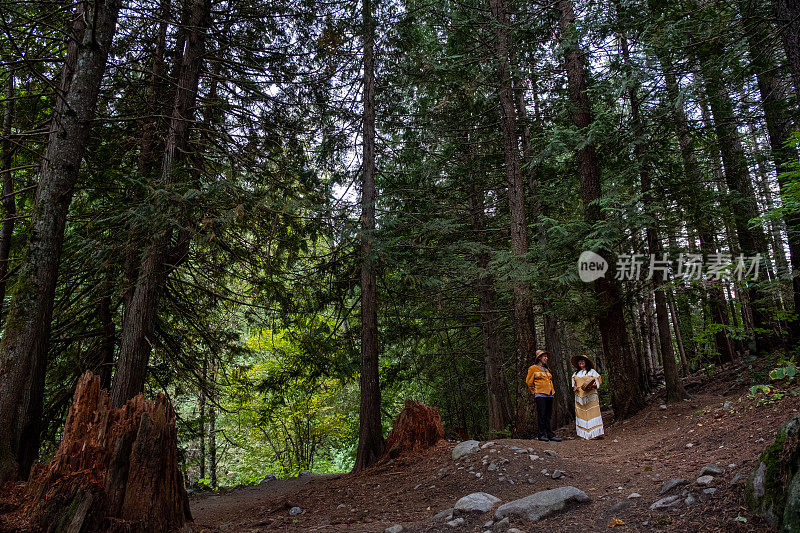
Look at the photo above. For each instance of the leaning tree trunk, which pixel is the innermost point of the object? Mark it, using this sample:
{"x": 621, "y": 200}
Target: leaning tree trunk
{"x": 370, "y": 432}
{"x": 524, "y": 323}
{"x": 27, "y": 330}
{"x": 695, "y": 199}
{"x": 116, "y": 469}
{"x": 627, "y": 397}
{"x": 141, "y": 313}
{"x": 675, "y": 390}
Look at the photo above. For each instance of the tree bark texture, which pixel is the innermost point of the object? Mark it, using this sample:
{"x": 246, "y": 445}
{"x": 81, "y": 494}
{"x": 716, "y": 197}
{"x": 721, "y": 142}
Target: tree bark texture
{"x": 626, "y": 396}
{"x": 370, "y": 432}
{"x": 787, "y": 17}
{"x": 524, "y": 322}
{"x": 23, "y": 349}
{"x": 116, "y": 469}
{"x": 8, "y": 202}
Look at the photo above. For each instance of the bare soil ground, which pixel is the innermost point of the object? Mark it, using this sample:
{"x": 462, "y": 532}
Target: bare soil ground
{"x": 636, "y": 455}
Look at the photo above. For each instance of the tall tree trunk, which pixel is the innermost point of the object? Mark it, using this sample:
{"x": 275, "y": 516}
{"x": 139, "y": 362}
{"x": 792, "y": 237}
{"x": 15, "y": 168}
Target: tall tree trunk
{"x": 524, "y": 322}
{"x": 370, "y": 432}
{"x": 776, "y": 111}
{"x": 201, "y": 404}
{"x": 787, "y": 17}
{"x": 9, "y": 202}
{"x": 676, "y": 327}
{"x": 212, "y": 424}
{"x": 627, "y": 397}
{"x": 108, "y": 340}
{"x": 675, "y": 391}
{"x": 564, "y": 403}
{"x": 141, "y": 315}
{"x": 23, "y": 349}
{"x": 737, "y": 177}
{"x": 497, "y": 388}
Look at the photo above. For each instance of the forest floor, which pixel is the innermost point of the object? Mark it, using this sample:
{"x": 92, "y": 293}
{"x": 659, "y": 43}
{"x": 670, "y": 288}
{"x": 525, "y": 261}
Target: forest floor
{"x": 636, "y": 456}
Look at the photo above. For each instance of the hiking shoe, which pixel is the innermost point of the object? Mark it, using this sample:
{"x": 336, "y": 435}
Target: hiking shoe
{"x": 555, "y": 439}
{"x": 544, "y": 438}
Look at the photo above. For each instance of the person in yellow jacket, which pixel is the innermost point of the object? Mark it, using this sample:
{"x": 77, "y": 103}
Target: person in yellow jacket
{"x": 540, "y": 382}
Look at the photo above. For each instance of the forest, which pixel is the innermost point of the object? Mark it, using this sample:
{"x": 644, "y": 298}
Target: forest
{"x": 290, "y": 218}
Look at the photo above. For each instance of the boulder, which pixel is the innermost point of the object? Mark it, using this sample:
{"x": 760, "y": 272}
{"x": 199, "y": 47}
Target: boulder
{"x": 477, "y": 502}
{"x": 773, "y": 489}
{"x": 710, "y": 469}
{"x": 671, "y": 484}
{"x": 540, "y": 504}
{"x": 465, "y": 448}
{"x": 663, "y": 503}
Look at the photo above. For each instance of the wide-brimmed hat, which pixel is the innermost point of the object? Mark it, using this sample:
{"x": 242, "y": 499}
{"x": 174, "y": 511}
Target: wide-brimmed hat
{"x": 540, "y": 353}
{"x": 589, "y": 363}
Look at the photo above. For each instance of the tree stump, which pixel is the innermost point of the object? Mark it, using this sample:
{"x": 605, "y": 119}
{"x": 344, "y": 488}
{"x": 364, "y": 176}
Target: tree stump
{"x": 416, "y": 428}
{"x": 115, "y": 470}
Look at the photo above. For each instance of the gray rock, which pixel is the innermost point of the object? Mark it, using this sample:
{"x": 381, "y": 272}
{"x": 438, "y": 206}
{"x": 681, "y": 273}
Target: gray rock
{"x": 515, "y": 530}
{"x": 709, "y": 490}
{"x": 397, "y": 528}
{"x": 456, "y": 523}
{"x": 465, "y": 448}
{"x": 418, "y": 485}
{"x": 690, "y": 500}
{"x": 477, "y": 502}
{"x": 634, "y": 495}
{"x": 663, "y": 503}
{"x": 492, "y": 466}
{"x": 447, "y": 514}
{"x": 727, "y": 405}
{"x": 551, "y": 453}
{"x": 341, "y": 506}
{"x": 487, "y": 445}
{"x": 488, "y": 524}
{"x": 710, "y": 469}
{"x": 533, "y": 457}
{"x": 304, "y": 473}
{"x": 558, "y": 474}
{"x": 663, "y": 407}
{"x": 268, "y": 478}
{"x": 670, "y": 484}
{"x": 737, "y": 479}
{"x": 705, "y": 480}
{"x": 540, "y": 504}
{"x": 443, "y": 472}
{"x": 295, "y": 511}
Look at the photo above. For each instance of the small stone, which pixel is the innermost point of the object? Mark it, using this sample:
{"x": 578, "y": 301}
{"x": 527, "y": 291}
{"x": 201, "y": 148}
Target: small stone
{"x": 732, "y": 465}
{"x": 456, "y": 523}
{"x": 615, "y": 440}
{"x": 533, "y": 457}
{"x": 397, "y": 528}
{"x": 418, "y": 485}
{"x": 341, "y": 506}
{"x": 663, "y": 503}
{"x": 557, "y": 474}
{"x": 443, "y": 472}
{"x": 304, "y": 473}
{"x": 465, "y": 448}
{"x": 738, "y": 478}
{"x": 705, "y": 480}
{"x": 727, "y": 405}
{"x": 487, "y": 445}
{"x": 634, "y": 495}
{"x": 690, "y": 500}
{"x": 515, "y": 530}
{"x": 663, "y": 407}
{"x": 551, "y": 453}
{"x": 295, "y": 511}
{"x": 478, "y": 474}
{"x": 502, "y": 525}
{"x": 446, "y": 514}
{"x": 620, "y": 506}
{"x": 489, "y": 524}
{"x": 689, "y": 445}
{"x": 531, "y": 481}
{"x": 671, "y": 484}
{"x": 492, "y": 466}
{"x": 709, "y": 490}
{"x": 501, "y": 479}
{"x": 710, "y": 469}
{"x": 545, "y": 472}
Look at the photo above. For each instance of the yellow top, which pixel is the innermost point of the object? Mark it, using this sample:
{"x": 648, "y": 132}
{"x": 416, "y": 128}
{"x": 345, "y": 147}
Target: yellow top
{"x": 540, "y": 380}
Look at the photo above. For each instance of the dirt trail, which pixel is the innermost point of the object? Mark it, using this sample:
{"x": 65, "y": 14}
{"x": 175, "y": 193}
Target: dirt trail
{"x": 636, "y": 455}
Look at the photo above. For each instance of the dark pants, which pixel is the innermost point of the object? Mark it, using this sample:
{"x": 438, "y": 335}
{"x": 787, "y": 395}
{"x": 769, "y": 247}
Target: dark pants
{"x": 544, "y": 410}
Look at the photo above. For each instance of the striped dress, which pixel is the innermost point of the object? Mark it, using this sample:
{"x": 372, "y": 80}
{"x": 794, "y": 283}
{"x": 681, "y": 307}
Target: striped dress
{"x": 588, "y": 421}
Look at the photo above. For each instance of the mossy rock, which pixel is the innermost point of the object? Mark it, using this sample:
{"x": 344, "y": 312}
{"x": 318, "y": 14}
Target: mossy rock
{"x": 773, "y": 489}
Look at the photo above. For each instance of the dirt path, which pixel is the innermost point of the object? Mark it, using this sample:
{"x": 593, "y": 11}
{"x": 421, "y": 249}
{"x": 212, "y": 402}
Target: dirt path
{"x": 636, "y": 456}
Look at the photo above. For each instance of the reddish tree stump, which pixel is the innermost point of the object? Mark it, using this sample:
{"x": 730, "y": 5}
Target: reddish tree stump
{"x": 416, "y": 428}
{"x": 115, "y": 470}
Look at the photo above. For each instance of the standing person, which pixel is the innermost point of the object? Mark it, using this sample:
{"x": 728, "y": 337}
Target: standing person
{"x": 540, "y": 382}
{"x": 585, "y": 382}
